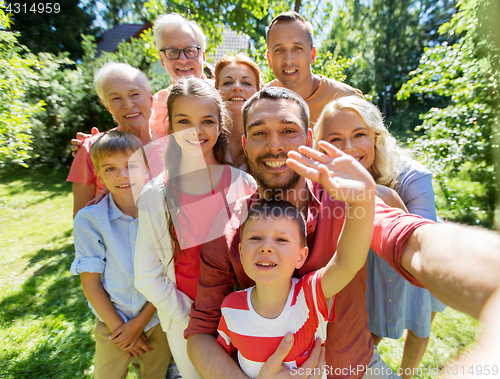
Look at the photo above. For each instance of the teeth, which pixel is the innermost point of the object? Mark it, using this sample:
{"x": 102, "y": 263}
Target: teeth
{"x": 266, "y": 264}
{"x": 184, "y": 69}
{"x": 132, "y": 115}
{"x": 238, "y": 98}
{"x": 124, "y": 186}
{"x": 289, "y": 71}
{"x": 196, "y": 142}
{"x": 275, "y": 164}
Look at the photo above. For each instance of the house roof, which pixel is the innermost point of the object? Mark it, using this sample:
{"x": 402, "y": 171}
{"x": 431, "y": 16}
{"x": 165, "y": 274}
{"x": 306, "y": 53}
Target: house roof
{"x": 232, "y": 43}
{"x": 122, "y": 32}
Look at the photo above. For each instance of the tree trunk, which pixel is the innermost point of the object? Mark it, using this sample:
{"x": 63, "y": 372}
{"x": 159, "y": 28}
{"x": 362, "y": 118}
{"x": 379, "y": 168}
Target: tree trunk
{"x": 298, "y": 4}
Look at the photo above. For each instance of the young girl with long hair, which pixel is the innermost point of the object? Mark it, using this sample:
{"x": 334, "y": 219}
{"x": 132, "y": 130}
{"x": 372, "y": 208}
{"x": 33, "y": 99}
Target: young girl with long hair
{"x": 186, "y": 206}
{"x": 356, "y": 127}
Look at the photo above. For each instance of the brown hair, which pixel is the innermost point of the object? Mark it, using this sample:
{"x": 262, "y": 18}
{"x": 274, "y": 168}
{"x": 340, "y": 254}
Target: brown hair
{"x": 277, "y": 209}
{"x": 277, "y": 93}
{"x": 239, "y": 58}
{"x": 115, "y": 142}
{"x": 289, "y": 17}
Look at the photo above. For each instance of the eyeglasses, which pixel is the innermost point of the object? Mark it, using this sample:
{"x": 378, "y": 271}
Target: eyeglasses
{"x": 189, "y": 52}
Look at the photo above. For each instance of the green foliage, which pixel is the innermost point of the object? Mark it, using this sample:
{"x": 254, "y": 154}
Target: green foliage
{"x": 242, "y": 16}
{"x": 15, "y": 112}
{"x": 456, "y": 135}
{"x": 53, "y": 32}
{"x": 387, "y": 38}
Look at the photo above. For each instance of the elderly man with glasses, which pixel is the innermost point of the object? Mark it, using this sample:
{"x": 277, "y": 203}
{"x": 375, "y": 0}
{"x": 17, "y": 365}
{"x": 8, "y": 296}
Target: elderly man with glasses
{"x": 181, "y": 45}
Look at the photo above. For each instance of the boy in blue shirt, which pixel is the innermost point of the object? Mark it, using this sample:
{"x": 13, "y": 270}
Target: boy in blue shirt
{"x": 105, "y": 234}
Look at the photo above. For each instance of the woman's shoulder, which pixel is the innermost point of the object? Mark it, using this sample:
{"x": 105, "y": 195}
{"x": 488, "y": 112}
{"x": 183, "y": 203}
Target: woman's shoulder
{"x": 410, "y": 167}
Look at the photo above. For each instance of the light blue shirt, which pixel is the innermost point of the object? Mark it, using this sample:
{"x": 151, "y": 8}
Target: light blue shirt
{"x": 105, "y": 243}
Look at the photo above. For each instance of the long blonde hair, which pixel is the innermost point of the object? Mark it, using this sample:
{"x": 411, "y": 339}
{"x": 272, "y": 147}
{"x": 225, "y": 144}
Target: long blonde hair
{"x": 199, "y": 89}
{"x": 388, "y": 152}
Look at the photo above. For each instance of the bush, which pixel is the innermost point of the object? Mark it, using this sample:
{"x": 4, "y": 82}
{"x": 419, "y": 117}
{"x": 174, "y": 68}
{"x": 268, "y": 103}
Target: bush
{"x": 16, "y": 112}
{"x": 457, "y": 137}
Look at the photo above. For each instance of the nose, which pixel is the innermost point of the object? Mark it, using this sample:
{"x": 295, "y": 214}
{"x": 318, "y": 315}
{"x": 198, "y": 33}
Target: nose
{"x": 237, "y": 86}
{"x": 288, "y": 56}
{"x": 182, "y": 56}
{"x": 349, "y": 146}
{"x": 274, "y": 143}
{"x": 123, "y": 172}
{"x": 128, "y": 102}
{"x": 196, "y": 130}
{"x": 266, "y": 246}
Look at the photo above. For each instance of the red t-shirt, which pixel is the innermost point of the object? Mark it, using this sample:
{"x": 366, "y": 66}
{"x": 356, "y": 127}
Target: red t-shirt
{"x": 82, "y": 168}
{"x": 349, "y": 341}
{"x": 195, "y": 222}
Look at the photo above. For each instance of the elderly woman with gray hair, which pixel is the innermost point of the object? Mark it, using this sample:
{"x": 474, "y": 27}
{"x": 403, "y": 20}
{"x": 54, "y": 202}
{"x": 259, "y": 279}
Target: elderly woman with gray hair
{"x": 126, "y": 94}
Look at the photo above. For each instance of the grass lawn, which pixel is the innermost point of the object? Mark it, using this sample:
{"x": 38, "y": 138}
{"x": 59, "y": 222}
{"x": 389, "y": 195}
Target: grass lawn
{"x": 45, "y": 325}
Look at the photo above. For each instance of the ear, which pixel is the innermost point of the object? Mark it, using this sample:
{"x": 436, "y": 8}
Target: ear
{"x": 204, "y": 57}
{"x": 98, "y": 175}
{"x": 268, "y": 59}
{"x": 239, "y": 249}
{"x": 302, "y": 257}
{"x": 309, "y": 138}
{"x": 105, "y": 106}
{"x": 313, "y": 55}
{"x": 161, "y": 59}
{"x": 244, "y": 144}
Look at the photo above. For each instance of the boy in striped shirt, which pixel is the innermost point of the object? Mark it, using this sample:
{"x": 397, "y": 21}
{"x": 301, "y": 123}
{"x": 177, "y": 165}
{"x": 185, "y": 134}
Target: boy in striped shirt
{"x": 273, "y": 244}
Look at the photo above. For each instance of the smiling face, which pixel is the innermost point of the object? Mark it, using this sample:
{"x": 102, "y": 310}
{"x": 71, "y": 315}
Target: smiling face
{"x": 180, "y": 37}
{"x": 290, "y": 54}
{"x": 195, "y": 122}
{"x": 124, "y": 174}
{"x": 271, "y": 249}
{"x": 129, "y": 101}
{"x": 347, "y": 131}
{"x": 237, "y": 83}
{"x": 274, "y": 127}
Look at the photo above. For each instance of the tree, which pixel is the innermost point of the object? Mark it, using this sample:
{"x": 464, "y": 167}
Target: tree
{"x": 457, "y": 136}
{"x": 55, "y": 31}
{"x": 387, "y": 37}
{"x": 15, "y": 111}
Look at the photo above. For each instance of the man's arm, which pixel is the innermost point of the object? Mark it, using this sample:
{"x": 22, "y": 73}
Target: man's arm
{"x": 210, "y": 358}
{"x": 82, "y": 194}
{"x": 460, "y": 265}
{"x": 213, "y": 362}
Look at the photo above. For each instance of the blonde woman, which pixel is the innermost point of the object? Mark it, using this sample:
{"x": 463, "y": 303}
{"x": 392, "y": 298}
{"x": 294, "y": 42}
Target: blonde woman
{"x": 356, "y": 126}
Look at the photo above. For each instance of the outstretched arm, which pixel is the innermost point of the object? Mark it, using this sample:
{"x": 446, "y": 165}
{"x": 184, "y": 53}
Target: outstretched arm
{"x": 459, "y": 264}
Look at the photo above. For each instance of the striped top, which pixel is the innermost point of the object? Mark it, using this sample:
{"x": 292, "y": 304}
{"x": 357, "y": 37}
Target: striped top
{"x": 306, "y": 315}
